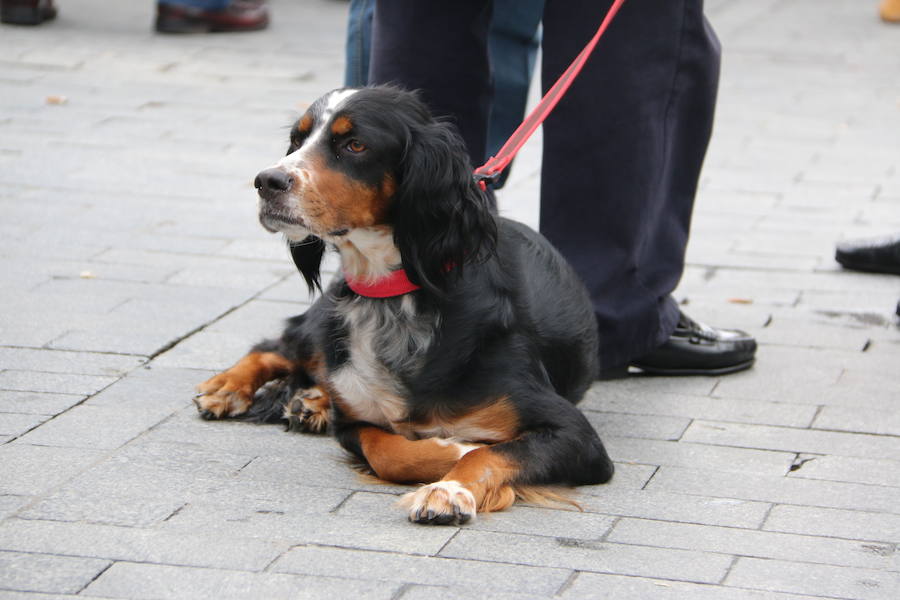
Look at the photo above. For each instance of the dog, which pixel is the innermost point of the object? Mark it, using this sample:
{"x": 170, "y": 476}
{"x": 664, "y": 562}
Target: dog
{"x": 452, "y": 348}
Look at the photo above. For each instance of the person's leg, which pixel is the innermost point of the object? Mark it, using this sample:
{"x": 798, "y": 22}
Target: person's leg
{"x": 622, "y": 156}
{"x": 513, "y": 43}
{"x": 441, "y": 49}
{"x": 359, "y": 41}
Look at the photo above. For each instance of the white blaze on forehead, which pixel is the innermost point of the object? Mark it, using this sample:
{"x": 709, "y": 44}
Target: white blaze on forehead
{"x": 335, "y": 100}
{"x": 333, "y": 103}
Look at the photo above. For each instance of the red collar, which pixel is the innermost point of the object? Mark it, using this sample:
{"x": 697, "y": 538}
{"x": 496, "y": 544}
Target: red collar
{"x": 395, "y": 284}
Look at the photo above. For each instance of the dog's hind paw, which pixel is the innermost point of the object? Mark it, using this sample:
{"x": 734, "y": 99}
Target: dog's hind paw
{"x": 308, "y": 410}
{"x": 440, "y": 503}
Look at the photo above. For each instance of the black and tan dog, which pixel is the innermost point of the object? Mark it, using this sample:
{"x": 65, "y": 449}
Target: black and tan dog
{"x": 454, "y": 346}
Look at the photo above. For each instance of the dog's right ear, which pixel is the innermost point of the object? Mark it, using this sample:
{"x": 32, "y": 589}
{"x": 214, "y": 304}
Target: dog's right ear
{"x": 307, "y": 255}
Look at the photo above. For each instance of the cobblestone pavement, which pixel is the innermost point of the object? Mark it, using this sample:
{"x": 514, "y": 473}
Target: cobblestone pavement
{"x": 132, "y": 267}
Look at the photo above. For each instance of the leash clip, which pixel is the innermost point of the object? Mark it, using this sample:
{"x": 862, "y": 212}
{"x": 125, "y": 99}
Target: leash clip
{"x": 482, "y": 179}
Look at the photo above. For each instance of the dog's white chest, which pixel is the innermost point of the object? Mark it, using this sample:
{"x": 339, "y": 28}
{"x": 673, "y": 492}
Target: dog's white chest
{"x": 380, "y": 342}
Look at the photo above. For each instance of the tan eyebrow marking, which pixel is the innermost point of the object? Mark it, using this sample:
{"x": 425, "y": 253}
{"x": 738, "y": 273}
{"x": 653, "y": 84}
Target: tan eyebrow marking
{"x": 305, "y": 123}
{"x": 341, "y": 126}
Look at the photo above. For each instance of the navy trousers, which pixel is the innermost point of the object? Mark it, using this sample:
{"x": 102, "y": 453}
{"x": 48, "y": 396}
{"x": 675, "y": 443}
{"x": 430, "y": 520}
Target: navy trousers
{"x": 622, "y": 151}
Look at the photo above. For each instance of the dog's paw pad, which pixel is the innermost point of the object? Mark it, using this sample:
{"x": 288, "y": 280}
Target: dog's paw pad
{"x": 440, "y": 503}
{"x": 308, "y": 410}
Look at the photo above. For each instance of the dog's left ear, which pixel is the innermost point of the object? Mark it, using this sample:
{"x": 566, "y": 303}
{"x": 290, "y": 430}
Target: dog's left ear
{"x": 442, "y": 220}
{"x": 307, "y": 256}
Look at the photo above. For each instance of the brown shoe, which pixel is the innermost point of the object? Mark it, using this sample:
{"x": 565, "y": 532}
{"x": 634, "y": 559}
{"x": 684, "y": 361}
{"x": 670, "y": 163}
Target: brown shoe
{"x": 26, "y": 12}
{"x": 890, "y": 11}
{"x": 239, "y": 15}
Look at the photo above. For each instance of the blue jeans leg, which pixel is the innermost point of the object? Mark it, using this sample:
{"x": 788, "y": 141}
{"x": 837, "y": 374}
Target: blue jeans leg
{"x": 359, "y": 40}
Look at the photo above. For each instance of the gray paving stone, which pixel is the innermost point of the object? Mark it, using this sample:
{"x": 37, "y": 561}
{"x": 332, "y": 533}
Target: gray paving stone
{"x": 479, "y": 577}
{"x": 791, "y": 375}
{"x": 698, "y": 386}
{"x": 258, "y": 319}
{"x": 141, "y": 343}
{"x": 520, "y": 519}
{"x": 702, "y": 407}
{"x": 54, "y": 361}
{"x": 431, "y": 592}
{"x": 691, "y": 455}
{"x": 10, "y": 503}
{"x": 57, "y": 383}
{"x": 628, "y": 476}
{"x": 759, "y": 544}
{"x": 854, "y": 470}
{"x": 830, "y": 522}
{"x": 210, "y": 350}
{"x": 389, "y": 531}
{"x": 248, "y": 279}
{"x": 152, "y": 388}
{"x": 858, "y": 420}
{"x": 235, "y": 437}
{"x": 292, "y": 289}
{"x": 816, "y": 580}
{"x": 140, "y": 545}
{"x": 98, "y": 427}
{"x": 154, "y": 582}
{"x": 15, "y": 424}
{"x": 327, "y": 466}
{"x": 593, "y": 585}
{"x": 610, "y": 424}
{"x": 792, "y": 440}
{"x": 581, "y": 555}
{"x": 45, "y": 573}
{"x": 778, "y": 490}
{"x": 30, "y": 470}
{"x": 802, "y": 332}
{"x": 121, "y": 508}
{"x": 728, "y": 512}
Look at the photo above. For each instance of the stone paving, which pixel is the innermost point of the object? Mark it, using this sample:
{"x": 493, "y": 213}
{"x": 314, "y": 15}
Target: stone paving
{"x": 132, "y": 267}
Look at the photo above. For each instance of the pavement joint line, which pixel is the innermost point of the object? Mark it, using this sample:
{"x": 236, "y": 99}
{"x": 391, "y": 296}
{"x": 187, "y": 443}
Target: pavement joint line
{"x": 568, "y": 582}
{"x": 46, "y": 349}
{"x": 216, "y": 319}
{"x": 728, "y": 570}
{"x": 652, "y": 475}
{"x": 405, "y": 587}
{"x": 96, "y": 577}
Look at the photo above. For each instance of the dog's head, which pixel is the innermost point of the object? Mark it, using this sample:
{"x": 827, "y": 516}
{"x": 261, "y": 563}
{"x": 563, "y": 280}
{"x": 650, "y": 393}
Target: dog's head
{"x": 374, "y": 161}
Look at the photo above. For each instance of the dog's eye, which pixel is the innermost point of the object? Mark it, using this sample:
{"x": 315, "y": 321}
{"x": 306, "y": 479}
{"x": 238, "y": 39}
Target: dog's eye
{"x": 355, "y": 147}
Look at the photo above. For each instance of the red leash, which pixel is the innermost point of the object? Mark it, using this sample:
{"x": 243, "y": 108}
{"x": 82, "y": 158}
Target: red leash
{"x": 397, "y": 283}
{"x": 495, "y": 164}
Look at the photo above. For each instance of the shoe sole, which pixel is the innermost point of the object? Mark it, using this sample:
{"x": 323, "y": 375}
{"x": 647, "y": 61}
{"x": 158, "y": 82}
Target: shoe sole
{"x": 188, "y": 25}
{"x": 871, "y": 267}
{"x": 697, "y": 371}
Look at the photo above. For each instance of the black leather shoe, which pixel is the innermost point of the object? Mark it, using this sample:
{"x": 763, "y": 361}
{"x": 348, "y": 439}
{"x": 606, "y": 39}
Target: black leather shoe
{"x": 26, "y": 12}
{"x": 697, "y": 349}
{"x": 876, "y": 255}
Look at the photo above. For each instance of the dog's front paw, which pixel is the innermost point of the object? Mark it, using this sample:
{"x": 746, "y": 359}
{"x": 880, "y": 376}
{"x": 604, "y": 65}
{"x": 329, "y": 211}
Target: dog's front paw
{"x": 308, "y": 410}
{"x": 222, "y": 396}
{"x": 440, "y": 503}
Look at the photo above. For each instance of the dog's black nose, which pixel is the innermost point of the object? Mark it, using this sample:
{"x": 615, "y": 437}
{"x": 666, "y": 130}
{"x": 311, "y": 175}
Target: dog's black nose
{"x": 273, "y": 180}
